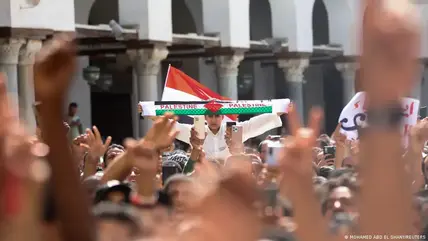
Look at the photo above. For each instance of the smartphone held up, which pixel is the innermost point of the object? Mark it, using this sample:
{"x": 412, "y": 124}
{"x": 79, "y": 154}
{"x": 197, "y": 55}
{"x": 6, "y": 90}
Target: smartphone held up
{"x": 236, "y": 137}
{"x": 274, "y": 150}
{"x": 199, "y": 125}
{"x": 330, "y": 151}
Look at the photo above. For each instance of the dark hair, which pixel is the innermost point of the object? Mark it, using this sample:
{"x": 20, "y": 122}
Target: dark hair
{"x": 73, "y": 105}
{"x": 102, "y": 192}
{"x": 340, "y": 172}
{"x": 319, "y": 180}
{"x": 324, "y": 140}
{"x": 112, "y": 146}
{"x": 325, "y": 171}
{"x": 124, "y": 213}
{"x": 260, "y": 146}
{"x": 343, "y": 181}
{"x": 181, "y": 145}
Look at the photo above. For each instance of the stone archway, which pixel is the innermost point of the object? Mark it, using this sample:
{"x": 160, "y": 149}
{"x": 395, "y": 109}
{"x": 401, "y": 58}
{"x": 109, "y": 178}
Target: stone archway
{"x": 82, "y": 9}
{"x": 251, "y": 75}
{"x": 116, "y": 99}
{"x": 182, "y": 19}
{"x": 344, "y": 18}
{"x": 260, "y": 20}
{"x": 332, "y": 82}
{"x": 291, "y": 19}
{"x": 320, "y": 24}
{"x": 183, "y": 22}
{"x": 99, "y": 14}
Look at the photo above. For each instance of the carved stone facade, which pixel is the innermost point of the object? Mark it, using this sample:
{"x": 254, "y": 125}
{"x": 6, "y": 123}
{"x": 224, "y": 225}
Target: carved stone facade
{"x": 28, "y": 52}
{"x": 9, "y": 50}
{"x": 147, "y": 62}
{"x": 227, "y": 73}
{"x": 228, "y": 64}
{"x": 147, "y": 66}
{"x": 26, "y": 82}
{"x": 294, "y": 69}
{"x": 348, "y": 71}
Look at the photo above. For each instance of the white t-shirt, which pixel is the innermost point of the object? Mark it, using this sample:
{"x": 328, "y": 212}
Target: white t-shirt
{"x": 215, "y": 146}
{"x": 74, "y": 130}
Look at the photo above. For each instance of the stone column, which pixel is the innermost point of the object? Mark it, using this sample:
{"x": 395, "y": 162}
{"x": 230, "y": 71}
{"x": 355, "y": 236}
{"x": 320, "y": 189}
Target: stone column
{"x": 417, "y": 89}
{"x": 9, "y": 55}
{"x": 147, "y": 65}
{"x": 26, "y": 82}
{"x": 134, "y": 109}
{"x": 227, "y": 73}
{"x": 294, "y": 73}
{"x": 348, "y": 71}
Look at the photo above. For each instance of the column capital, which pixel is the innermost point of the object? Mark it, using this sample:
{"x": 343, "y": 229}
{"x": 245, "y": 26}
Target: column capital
{"x": 348, "y": 67}
{"x": 28, "y": 52}
{"x": 294, "y": 69}
{"x": 9, "y": 50}
{"x": 348, "y": 70}
{"x": 147, "y": 62}
{"x": 228, "y": 64}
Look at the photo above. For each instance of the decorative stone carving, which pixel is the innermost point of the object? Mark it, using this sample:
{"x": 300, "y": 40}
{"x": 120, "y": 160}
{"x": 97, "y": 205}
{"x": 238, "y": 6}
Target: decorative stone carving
{"x": 294, "y": 69}
{"x": 9, "y": 50}
{"x": 147, "y": 62}
{"x": 28, "y": 52}
{"x": 229, "y": 64}
{"x": 348, "y": 70}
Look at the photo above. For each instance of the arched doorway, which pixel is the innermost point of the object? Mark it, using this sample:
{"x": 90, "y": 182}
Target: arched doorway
{"x": 111, "y": 108}
{"x": 257, "y": 80}
{"x": 320, "y": 27}
{"x": 183, "y": 22}
{"x": 252, "y": 81}
{"x": 182, "y": 19}
{"x": 332, "y": 82}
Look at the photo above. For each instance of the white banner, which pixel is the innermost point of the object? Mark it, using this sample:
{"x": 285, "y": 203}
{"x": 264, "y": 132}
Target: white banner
{"x": 353, "y": 116}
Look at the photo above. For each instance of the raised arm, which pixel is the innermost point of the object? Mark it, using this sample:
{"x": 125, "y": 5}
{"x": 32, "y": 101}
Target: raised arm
{"x": 53, "y": 71}
{"x": 259, "y": 125}
{"x": 184, "y": 130}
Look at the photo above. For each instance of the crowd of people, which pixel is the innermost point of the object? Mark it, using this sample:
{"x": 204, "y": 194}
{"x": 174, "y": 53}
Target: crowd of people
{"x": 303, "y": 186}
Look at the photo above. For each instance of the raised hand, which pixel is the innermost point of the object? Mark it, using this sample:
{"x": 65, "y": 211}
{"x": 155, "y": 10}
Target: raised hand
{"x": 53, "y": 73}
{"x": 236, "y": 193}
{"x": 21, "y": 174}
{"x": 389, "y": 62}
{"x": 195, "y": 142}
{"x": 342, "y": 146}
{"x": 391, "y": 45}
{"x": 54, "y": 67}
{"x": 296, "y": 161}
{"x": 143, "y": 154}
{"x": 297, "y": 169}
{"x": 163, "y": 132}
{"x": 228, "y": 137}
{"x": 79, "y": 147}
{"x": 418, "y": 136}
{"x": 15, "y": 145}
{"x": 95, "y": 145}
